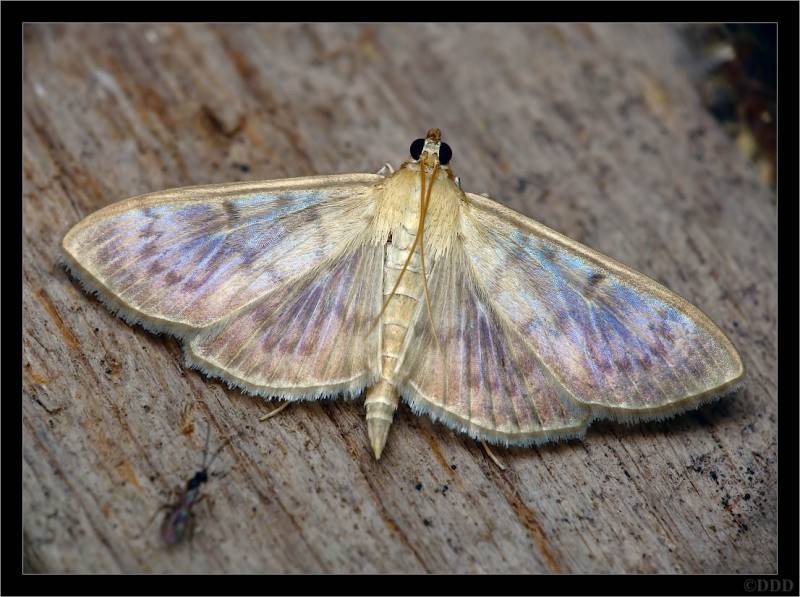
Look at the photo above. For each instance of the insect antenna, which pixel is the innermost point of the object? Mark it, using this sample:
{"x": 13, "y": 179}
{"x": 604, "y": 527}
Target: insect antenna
{"x": 421, "y": 231}
{"x": 205, "y": 449}
{"x": 217, "y": 451}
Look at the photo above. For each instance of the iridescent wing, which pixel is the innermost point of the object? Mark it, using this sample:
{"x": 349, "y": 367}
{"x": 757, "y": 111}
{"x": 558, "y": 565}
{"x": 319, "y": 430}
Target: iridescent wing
{"x": 315, "y": 338}
{"x": 541, "y": 315}
{"x": 485, "y": 380}
{"x": 184, "y": 260}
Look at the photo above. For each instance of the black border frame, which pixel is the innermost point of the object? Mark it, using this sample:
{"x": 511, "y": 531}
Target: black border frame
{"x": 785, "y": 14}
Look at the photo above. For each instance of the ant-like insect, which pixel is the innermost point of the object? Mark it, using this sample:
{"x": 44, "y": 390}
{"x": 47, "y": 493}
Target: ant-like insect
{"x": 179, "y": 521}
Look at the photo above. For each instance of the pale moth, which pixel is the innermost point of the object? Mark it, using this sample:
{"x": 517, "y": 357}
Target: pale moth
{"x": 403, "y": 285}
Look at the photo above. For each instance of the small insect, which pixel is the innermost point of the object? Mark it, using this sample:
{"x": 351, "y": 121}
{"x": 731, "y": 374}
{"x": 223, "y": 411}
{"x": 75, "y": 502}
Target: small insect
{"x": 179, "y": 521}
{"x": 402, "y": 284}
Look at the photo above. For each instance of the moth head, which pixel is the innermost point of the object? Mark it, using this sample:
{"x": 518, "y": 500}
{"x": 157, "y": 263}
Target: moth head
{"x": 431, "y": 150}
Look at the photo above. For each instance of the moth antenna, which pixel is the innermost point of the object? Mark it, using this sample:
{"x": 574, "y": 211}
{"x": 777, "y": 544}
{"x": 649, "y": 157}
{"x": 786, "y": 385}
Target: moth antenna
{"x": 423, "y": 213}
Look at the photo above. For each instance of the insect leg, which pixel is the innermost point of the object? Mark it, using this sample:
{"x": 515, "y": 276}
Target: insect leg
{"x": 161, "y": 508}
{"x": 387, "y": 167}
{"x": 171, "y": 503}
{"x": 208, "y": 504}
{"x": 190, "y": 528}
{"x": 274, "y": 412}
{"x": 493, "y": 458}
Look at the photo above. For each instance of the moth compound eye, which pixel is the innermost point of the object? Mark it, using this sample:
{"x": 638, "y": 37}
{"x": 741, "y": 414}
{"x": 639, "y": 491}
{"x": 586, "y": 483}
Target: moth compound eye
{"x": 445, "y": 154}
{"x": 416, "y": 148}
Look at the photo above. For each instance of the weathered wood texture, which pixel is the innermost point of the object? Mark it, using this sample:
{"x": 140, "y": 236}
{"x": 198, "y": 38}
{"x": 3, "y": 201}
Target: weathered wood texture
{"x": 596, "y": 131}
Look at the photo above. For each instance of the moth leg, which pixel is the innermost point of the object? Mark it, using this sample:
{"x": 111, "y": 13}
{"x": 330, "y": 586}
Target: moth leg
{"x": 492, "y": 457}
{"x": 274, "y": 412}
{"x": 387, "y": 167}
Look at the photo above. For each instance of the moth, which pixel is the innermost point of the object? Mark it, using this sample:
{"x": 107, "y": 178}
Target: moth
{"x": 404, "y": 285}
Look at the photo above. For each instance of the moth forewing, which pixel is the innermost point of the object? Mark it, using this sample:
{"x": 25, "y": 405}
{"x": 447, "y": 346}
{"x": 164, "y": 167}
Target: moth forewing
{"x": 180, "y": 259}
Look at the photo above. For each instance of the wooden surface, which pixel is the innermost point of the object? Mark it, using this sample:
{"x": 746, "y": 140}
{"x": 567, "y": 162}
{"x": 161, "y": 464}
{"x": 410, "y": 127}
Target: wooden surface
{"x": 594, "y": 130}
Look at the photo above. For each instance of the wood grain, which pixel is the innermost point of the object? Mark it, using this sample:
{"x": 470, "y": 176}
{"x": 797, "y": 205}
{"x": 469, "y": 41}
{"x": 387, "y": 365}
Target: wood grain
{"x": 594, "y": 130}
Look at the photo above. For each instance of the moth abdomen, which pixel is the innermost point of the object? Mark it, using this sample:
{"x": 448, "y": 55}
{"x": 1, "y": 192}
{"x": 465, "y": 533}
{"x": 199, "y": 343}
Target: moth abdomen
{"x": 381, "y": 402}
